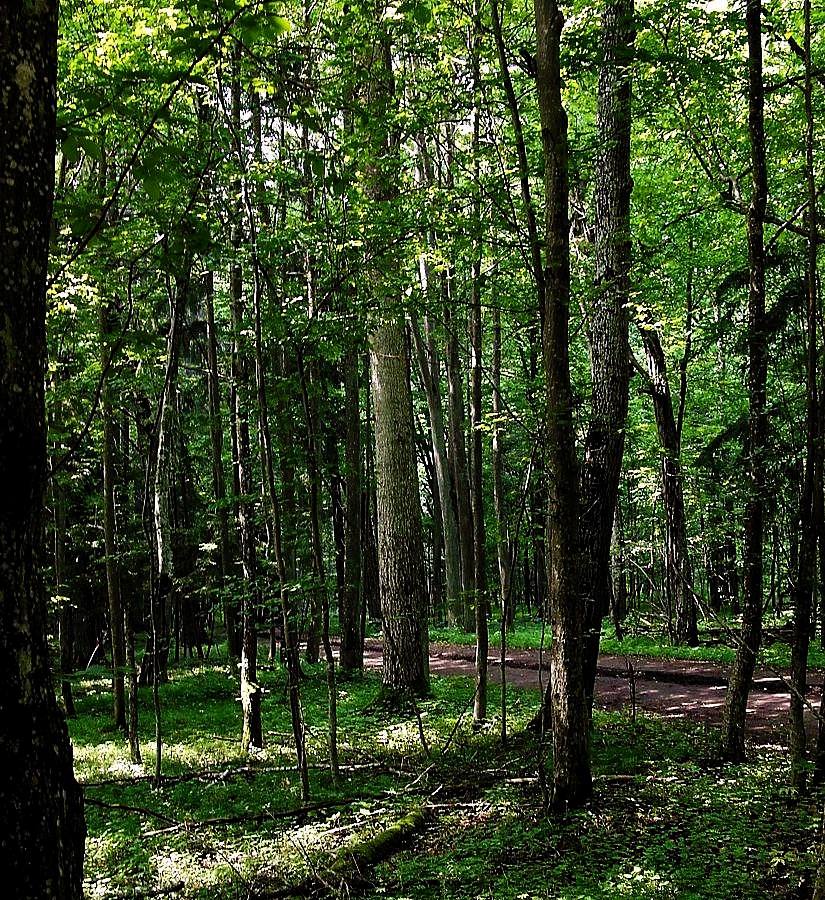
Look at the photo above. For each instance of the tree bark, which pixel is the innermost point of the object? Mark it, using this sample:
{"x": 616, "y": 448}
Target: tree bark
{"x": 802, "y": 594}
{"x": 230, "y": 609}
{"x": 678, "y": 571}
{"x": 402, "y": 584}
{"x": 609, "y": 350}
{"x": 456, "y": 430}
{"x": 571, "y": 777}
{"x": 429, "y": 365}
{"x": 733, "y": 746}
{"x": 44, "y": 831}
{"x": 349, "y": 612}
{"x": 110, "y": 522}
{"x": 480, "y": 599}
{"x": 251, "y": 732}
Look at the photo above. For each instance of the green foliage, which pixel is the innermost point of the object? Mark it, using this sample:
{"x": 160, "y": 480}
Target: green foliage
{"x": 667, "y": 822}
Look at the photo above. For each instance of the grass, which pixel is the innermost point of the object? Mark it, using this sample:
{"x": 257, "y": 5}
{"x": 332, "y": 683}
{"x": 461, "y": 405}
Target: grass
{"x": 666, "y": 822}
{"x": 527, "y": 635}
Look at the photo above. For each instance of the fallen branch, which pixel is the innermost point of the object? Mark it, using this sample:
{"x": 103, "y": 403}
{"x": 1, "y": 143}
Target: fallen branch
{"x": 140, "y": 810}
{"x": 351, "y": 863}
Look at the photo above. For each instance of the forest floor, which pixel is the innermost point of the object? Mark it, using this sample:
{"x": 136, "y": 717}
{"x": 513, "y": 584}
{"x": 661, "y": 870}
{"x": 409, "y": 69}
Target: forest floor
{"x": 667, "y": 820}
{"x": 671, "y": 688}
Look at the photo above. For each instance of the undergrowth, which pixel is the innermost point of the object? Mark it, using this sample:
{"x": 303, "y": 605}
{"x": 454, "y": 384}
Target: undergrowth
{"x": 666, "y": 821}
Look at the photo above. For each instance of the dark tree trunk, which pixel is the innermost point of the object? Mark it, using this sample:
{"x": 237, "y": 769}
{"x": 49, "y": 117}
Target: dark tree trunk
{"x": 230, "y": 608}
{"x": 349, "y": 612}
{"x": 65, "y": 615}
{"x": 733, "y": 746}
{"x": 609, "y": 350}
{"x": 319, "y": 569}
{"x": 802, "y": 596}
{"x": 251, "y": 733}
{"x": 428, "y": 364}
{"x": 43, "y": 831}
{"x": 571, "y": 778}
{"x": 456, "y": 430}
{"x": 480, "y": 599}
{"x": 109, "y": 521}
{"x": 678, "y": 572}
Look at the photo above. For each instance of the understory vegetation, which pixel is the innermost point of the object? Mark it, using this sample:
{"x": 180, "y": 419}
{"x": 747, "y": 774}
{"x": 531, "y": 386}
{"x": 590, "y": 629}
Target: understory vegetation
{"x": 670, "y": 819}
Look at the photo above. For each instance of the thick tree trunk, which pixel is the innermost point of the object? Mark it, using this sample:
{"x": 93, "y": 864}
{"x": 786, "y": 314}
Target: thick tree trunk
{"x": 733, "y": 746}
{"x": 571, "y": 778}
{"x": 400, "y": 543}
{"x": 609, "y": 350}
{"x": 43, "y": 831}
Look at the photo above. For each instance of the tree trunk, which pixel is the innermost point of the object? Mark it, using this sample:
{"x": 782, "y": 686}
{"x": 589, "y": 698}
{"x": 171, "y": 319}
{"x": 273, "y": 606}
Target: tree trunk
{"x": 503, "y": 549}
{"x": 678, "y": 572}
{"x": 251, "y": 733}
{"x": 456, "y": 430}
{"x": 429, "y": 366}
{"x": 802, "y": 594}
{"x": 230, "y": 608}
{"x": 109, "y": 521}
{"x": 349, "y": 612}
{"x": 609, "y": 350}
{"x": 320, "y": 586}
{"x": 65, "y": 622}
{"x": 571, "y": 778}
{"x": 733, "y": 746}
{"x": 480, "y": 598}
{"x": 402, "y": 584}
{"x": 43, "y": 832}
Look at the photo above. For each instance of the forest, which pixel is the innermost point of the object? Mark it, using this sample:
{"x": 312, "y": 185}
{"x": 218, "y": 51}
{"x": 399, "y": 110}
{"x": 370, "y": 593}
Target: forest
{"x": 412, "y": 432}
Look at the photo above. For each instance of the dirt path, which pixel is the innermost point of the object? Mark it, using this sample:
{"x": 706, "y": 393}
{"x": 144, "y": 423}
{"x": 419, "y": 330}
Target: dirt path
{"x": 670, "y": 688}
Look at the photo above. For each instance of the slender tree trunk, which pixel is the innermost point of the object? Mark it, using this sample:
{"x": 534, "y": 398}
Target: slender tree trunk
{"x": 157, "y": 519}
{"x": 733, "y": 746}
{"x": 251, "y": 733}
{"x": 349, "y": 613}
{"x": 480, "y": 599}
{"x": 802, "y": 595}
{"x": 503, "y": 549}
{"x": 678, "y": 571}
{"x": 320, "y": 587}
{"x": 65, "y": 616}
{"x": 109, "y": 521}
{"x": 230, "y": 609}
{"x": 129, "y": 613}
{"x": 428, "y": 365}
{"x": 456, "y": 430}
{"x": 571, "y": 777}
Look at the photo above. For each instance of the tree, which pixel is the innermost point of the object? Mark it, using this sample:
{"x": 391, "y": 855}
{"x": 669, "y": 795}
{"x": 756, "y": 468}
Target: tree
{"x": 608, "y": 326}
{"x": 44, "y": 834}
{"x": 572, "y": 781}
{"x": 400, "y": 547}
{"x": 733, "y": 742}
